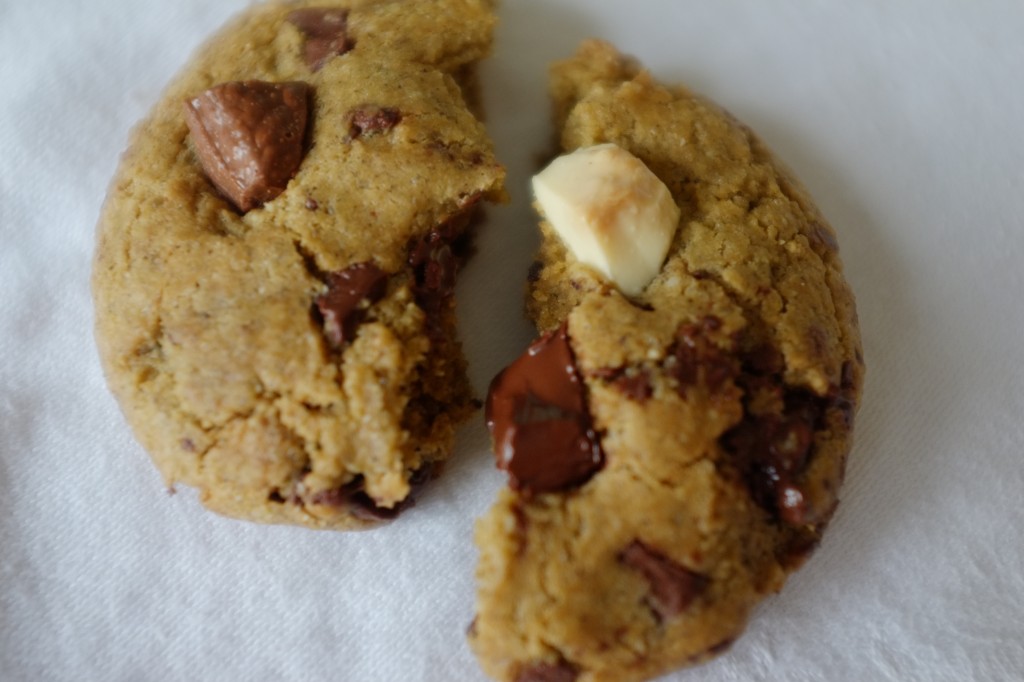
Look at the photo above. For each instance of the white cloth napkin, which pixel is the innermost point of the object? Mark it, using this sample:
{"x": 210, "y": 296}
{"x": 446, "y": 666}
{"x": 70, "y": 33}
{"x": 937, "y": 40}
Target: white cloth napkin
{"x": 904, "y": 119}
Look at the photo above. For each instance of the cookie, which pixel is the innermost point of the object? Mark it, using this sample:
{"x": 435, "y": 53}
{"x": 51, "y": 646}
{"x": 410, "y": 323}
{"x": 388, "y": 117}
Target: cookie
{"x": 276, "y": 258}
{"x": 676, "y": 439}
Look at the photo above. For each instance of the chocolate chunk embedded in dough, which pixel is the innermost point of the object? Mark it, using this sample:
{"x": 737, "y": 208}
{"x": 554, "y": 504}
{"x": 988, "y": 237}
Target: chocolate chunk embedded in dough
{"x": 539, "y": 420}
{"x": 773, "y": 449}
{"x": 372, "y": 120}
{"x": 353, "y": 496}
{"x": 347, "y": 288}
{"x": 326, "y": 31}
{"x": 249, "y": 137}
{"x": 695, "y": 359}
{"x": 548, "y": 672}
{"x": 673, "y": 588}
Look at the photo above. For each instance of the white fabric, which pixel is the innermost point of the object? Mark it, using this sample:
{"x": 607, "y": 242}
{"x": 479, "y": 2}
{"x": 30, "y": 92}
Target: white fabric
{"x": 905, "y": 121}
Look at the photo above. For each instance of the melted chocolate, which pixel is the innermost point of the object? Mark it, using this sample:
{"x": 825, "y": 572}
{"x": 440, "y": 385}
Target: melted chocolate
{"x": 346, "y": 289}
{"x": 538, "y": 418}
{"x": 844, "y": 398}
{"x": 772, "y": 449}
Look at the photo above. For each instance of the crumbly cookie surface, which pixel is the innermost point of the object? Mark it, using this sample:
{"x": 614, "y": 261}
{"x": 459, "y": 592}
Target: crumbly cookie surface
{"x": 723, "y": 398}
{"x": 297, "y": 360}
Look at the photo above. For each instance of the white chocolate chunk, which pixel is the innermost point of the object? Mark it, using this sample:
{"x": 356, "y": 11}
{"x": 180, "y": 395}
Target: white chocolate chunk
{"x": 611, "y": 211}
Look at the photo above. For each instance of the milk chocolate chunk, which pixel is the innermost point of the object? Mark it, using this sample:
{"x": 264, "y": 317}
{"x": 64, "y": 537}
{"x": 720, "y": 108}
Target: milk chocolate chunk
{"x": 539, "y": 421}
{"x": 249, "y": 137}
{"x": 372, "y": 120}
{"x": 346, "y": 290}
{"x": 673, "y": 588}
{"x": 326, "y": 32}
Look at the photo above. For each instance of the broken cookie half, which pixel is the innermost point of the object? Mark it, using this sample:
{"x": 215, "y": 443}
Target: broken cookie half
{"x": 277, "y": 257}
{"x": 676, "y": 439}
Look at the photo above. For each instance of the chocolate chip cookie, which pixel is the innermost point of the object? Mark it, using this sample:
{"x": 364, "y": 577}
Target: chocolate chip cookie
{"x": 676, "y": 439}
{"x": 276, "y": 258}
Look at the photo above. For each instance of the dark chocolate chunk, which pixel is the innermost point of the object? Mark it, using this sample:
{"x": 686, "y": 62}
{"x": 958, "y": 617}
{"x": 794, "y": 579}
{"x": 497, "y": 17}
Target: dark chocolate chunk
{"x": 346, "y": 289}
{"x": 249, "y": 137}
{"x": 312, "y": 204}
{"x": 695, "y": 359}
{"x": 435, "y": 269}
{"x": 799, "y": 547}
{"x": 825, "y": 237}
{"x": 522, "y": 528}
{"x": 440, "y": 269}
{"x": 326, "y": 31}
{"x": 847, "y": 376}
{"x": 673, "y": 588}
{"x": 792, "y": 505}
{"x": 436, "y": 258}
{"x": 548, "y": 672}
{"x": 533, "y": 274}
{"x": 353, "y": 496}
{"x": 846, "y": 408}
{"x": 539, "y": 421}
{"x": 772, "y": 449}
{"x": 372, "y": 120}
{"x": 751, "y": 444}
{"x": 634, "y": 383}
{"x": 635, "y": 386}
{"x": 764, "y": 360}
